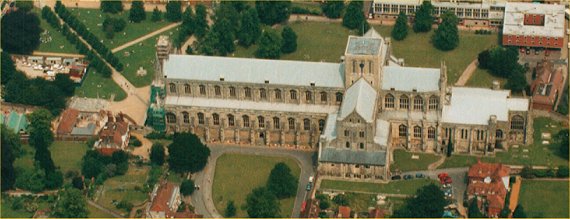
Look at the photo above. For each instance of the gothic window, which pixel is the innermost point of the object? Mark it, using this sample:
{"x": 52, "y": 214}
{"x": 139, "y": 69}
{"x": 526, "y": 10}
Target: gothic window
{"x": 418, "y": 103}
{"x": 361, "y": 134}
{"x": 480, "y": 135}
{"x": 231, "y": 120}
{"x": 172, "y": 87}
{"x": 323, "y": 97}
{"x": 402, "y": 131}
{"x": 201, "y": 118}
{"x": 433, "y": 103}
{"x": 232, "y": 92}
{"x": 216, "y": 119}
{"x": 186, "y": 88}
{"x": 431, "y": 133}
{"x": 217, "y": 90}
{"x": 464, "y": 133}
{"x": 291, "y": 123}
{"x": 202, "y": 90}
{"x": 261, "y": 121}
{"x": 369, "y": 67}
{"x": 245, "y": 119}
{"x": 277, "y": 94}
{"x": 389, "y": 101}
{"x": 170, "y": 118}
{"x": 404, "y": 102}
{"x": 417, "y": 132}
{"x": 361, "y": 145}
{"x": 338, "y": 97}
{"x": 308, "y": 95}
{"x": 321, "y": 125}
{"x": 276, "y": 124}
{"x": 293, "y": 94}
{"x": 186, "y": 117}
{"x": 499, "y": 134}
{"x": 262, "y": 94}
{"x": 347, "y": 144}
{"x": 517, "y": 123}
{"x": 346, "y": 133}
{"x": 247, "y": 92}
{"x": 306, "y": 124}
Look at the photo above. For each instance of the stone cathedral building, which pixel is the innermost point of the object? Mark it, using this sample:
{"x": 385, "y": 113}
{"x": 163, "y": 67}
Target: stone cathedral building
{"x": 353, "y": 112}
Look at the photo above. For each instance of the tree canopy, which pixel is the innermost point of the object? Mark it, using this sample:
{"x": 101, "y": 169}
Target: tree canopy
{"x": 429, "y": 202}
{"x": 70, "y": 204}
{"x": 137, "y": 13}
{"x": 187, "y": 153}
{"x": 250, "y": 28}
{"x": 20, "y": 32}
{"x": 424, "y": 17}
{"x": 10, "y": 148}
{"x": 354, "y": 17}
{"x": 187, "y": 187}
{"x": 261, "y": 203}
{"x": 112, "y": 7}
{"x": 157, "y": 155}
{"x": 156, "y": 15}
{"x": 474, "y": 211}
{"x": 225, "y": 36}
{"x": 230, "y": 209}
{"x": 519, "y": 212}
{"x": 332, "y": 9}
{"x": 41, "y": 135}
{"x": 201, "y": 27}
{"x": 289, "y": 37}
{"x": 446, "y": 36}
{"x": 173, "y": 11}
{"x": 273, "y": 12}
{"x": 400, "y": 29}
{"x": 269, "y": 45}
{"x": 562, "y": 137}
{"x": 281, "y": 182}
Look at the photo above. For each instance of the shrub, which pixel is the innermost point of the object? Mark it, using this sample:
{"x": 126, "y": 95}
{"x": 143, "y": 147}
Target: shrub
{"x": 562, "y": 172}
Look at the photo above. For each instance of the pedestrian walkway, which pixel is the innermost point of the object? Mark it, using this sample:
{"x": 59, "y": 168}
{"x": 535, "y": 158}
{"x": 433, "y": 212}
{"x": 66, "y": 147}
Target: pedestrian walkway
{"x": 467, "y": 73}
{"x": 149, "y": 35}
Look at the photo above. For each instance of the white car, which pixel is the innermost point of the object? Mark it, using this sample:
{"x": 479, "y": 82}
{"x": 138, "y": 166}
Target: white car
{"x": 311, "y": 179}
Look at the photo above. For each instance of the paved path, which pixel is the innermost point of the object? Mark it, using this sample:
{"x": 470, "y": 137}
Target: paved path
{"x": 144, "y": 149}
{"x": 149, "y": 35}
{"x": 72, "y": 55}
{"x": 467, "y": 73}
{"x": 94, "y": 204}
{"x": 438, "y": 163}
{"x": 202, "y": 198}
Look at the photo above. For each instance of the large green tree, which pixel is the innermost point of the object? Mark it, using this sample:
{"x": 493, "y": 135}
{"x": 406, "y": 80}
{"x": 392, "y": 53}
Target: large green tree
{"x": 41, "y": 135}
{"x": 250, "y": 28}
{"x": 474, "y": 211}
{"x": 31, "y": 180}
{"x": 201, "y": 21}
{"x": 424, "y": 18}
{"x": 157, "y": 155}
{"x": 173, "y": 11}
{"x": 517, "y": 81}
{"x": 428, "y": 202}
{"x": 187, "y": 187}
{"x": 65, "y": 84}
{"x": 225, "y": 35}
{"x": 562, "y": 137}
{"x": 269, "y": 45}
{"x": 400, "y": 30}
{"x": 332, "y": 9}
{"x": 354, "y": 16}
{"x": 20, "y": 32}
{"x": 187, "y": 153}
{"x": 70, "y": 204}
{"x": 446, "y": 36}
{"x": 112, "y": 7}
{"x": 156, "y": 15}
{"x": 230, "y": 209}
{"x": 281, "y": 182}
{"x": 8, "y": 69}
{"x": 289, "y": 37}
{"x": 519, "y": 212}
{"x": 137, "y": 13}
{"x": 10, "y": 146}
{"x": 261, "y": 203}
{"x": 227, "y": 11}
{"x": 273, "y": 12}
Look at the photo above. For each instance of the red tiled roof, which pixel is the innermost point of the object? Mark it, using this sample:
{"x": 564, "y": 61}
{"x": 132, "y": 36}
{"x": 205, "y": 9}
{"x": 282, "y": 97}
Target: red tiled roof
{"x": 548, "y": 84}
{"x": 481, "y": 170}
{"x": 67, "y": 121}
{"x": 344, "y": 212}
{"x": 114, "y": 131}
{"x": 376, "y": 213}
{"x": 107, "y": 151}
{"x": 159, "y": 203}
{"x": 493, "y": 191}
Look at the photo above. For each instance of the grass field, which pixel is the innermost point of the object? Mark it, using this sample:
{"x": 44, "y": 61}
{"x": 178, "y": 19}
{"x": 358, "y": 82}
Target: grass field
{"x": 141, "y": 55}
{"x": 482, "y": 78}
{"x": 120, "y": 188}
{"x": 96, "y": 86}
{"x": 545, "y": 198}
{"x": 406, "y": 187}
{"x": 66, "y": 155}
{"x": 237, "y": 175}
{"x": 403, "y": 161}
{"x": 96, "y": 213}
{"x": 93, "y": 20}
{"x": 538, "y": 154}
{"x": 59, "y": 43}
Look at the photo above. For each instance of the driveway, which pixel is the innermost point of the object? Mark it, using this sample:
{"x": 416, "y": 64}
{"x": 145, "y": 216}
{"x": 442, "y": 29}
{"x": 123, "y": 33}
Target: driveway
{"x": 202, "y": 198}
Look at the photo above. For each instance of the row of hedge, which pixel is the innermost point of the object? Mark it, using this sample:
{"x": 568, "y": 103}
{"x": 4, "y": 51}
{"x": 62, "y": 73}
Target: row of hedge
{"x": 529, "y": 173}
{"x": 81, "y": 29}
{"x": 300, "y": 10}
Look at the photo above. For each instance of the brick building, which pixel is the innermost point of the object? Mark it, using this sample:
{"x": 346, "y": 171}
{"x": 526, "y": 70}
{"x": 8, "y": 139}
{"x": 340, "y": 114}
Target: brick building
{"x": 489, "y": 184}
{"x": 548, "y": 86}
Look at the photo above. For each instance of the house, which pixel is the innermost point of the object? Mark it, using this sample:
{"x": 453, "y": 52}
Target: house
{"x": 17, "y": 122}
{"x": 77, "y": 72}
{"x": 343, "y": 212}
{"x": 376, "y": 213}
{"x": 310, "y": 209}
{"x": 489, "y": 184}
{"x": 113, "y": 136}
{"x": 165, "y": 201}
{"x": 548, "y": 86}
{"x": 80, "y": 125}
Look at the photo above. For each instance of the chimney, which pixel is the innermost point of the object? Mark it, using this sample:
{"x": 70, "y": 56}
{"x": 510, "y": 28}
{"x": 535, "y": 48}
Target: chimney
{"x": 496, "y": 85}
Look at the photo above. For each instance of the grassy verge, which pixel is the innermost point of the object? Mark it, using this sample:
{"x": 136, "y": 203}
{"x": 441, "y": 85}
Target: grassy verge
{"x": 482, "y": 78}
{"x": 237, "y": 175}
{"x": 58, "y": 43}
{"x": 403, "y": 161}
{"x": 406, "y": 187}
{"x": 122, "y": 187}
{"x": 545, "y": 198}
{"x": 96, "y": 86}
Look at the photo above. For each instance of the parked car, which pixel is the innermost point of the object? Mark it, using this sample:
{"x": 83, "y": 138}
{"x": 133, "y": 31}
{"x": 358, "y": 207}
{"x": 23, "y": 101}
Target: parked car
{"x": 408, "y": 177}
{"x": 309, "y": 186}
{"x": 311, "y": 179}
{"x": 420, "y": 175}
{"x": 396, "y": 177}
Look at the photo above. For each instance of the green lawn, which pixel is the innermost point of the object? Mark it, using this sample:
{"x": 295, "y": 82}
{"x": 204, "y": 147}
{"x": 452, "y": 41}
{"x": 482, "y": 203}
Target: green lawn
{"x": 141, "y": 55}
{"x": 403, "y": 161}
{"x": 123, "y": 188}
{"x": 482, "y": 78}
{"x": 96, "y": 213}
{"x": 538, "y": 154}
{"x": 238, "y": 174}
{"x": 26, "y": 160}
{"x": 58, "y": 43}
{"x": 96, "y": 86}
{"x": 359, "y": 202}
{"x": 406, "y": 187}
{"x": 93, "y": 20}
{"x": 545, "y": 198}
{"x": 66, "y": 155}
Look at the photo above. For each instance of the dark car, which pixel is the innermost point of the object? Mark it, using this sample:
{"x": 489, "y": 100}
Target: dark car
{"x": 396, "y": 177}
{"x": 420, "y": 175}
{"x": 408, "y": 177}
{"x": 309, "y": 186}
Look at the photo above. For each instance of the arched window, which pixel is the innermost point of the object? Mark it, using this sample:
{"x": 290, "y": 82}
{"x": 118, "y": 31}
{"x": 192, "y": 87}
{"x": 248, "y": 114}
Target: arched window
{"x": 499, "y": 134}
{"x": 216, "y": 119}
{"x": 306, "y": 124}
{"x": 276, "y": 124}
{"x": 261, "y": 121}
{"x": 404, "y": 102}
{"x": 277, "y": 94}
{"x": 308, "y": 95}
{"x": 247, "y": 92}
{"x": 293, "y": 94}
{"x": 170, "y": 118}
{"x": 418, "y": 103}
{"x": 232, "y": 92}
{"x": 389, "y": 101}
{"x": 187, "y": 88}
{"x": 217, "y": 90}
{"x": 262, "y": 94}
{"x": 186, "y": 117}
{"x": 245, "y": 119}
{"x": 291, "y": 123}
{"x": 321, "y": 125}
{"x": 338, "y": 97}
{"x": 172, "y": 87}
{"x": 433, "y": 103}
{"x": 347, "y": 144}
{"x": 346, "y": 133}
{"x": 202, "y": 90}
{"x": 431, "y": 133}
{"x": 417, "y": 132}
{"x": 517, "y": 123}
{"x": 323, "y": 96}
{"x": 361, "y": 145}
{"x": 201, "y": 118}
{"x": 231, "y": 120}
{"x": 403, "y": 131}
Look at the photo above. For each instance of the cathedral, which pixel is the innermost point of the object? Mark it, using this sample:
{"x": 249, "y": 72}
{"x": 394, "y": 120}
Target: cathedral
{"x": 353, "y": 113}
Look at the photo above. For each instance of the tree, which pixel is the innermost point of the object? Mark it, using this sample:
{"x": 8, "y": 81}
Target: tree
{"x": 519, "y": 212}
{"x": 281, "y": 182}
{"x": 201, "y": 21}
{"x": 54, "y": 179}
{"x": 424, "y": 18}
{"x": 187, "y": 153}
{"x": 187, "y": 187}
{"x": 517, "y": 81}
{"x": 20, "y": 32}
{"x": 71, "y": 203}
{"x": 25, "y": 6}
{"x": 269, "y": 45}
{"x": 474, "y": 211}
{"x": 332, "y": 9}
{"x": 156, "y": 15}
{"x": 65, "y": 84}
{"x": 527, "y": 172}
{"x": 354, "y": 17}
{"x": 208, "y": 44}
{"x": 8, "y": 69}
{"x": 41, "y": 135}
{"x": 227, "y": 11}
{"x": 484, "y": 59}
{"x": 261, "y": 203}
{"x": 446, "y": 36}
{"x": 230, "y": 209}
{"x": 157, "y": 155}
{"x": 43, "y": 158}
{"x": 273, "y": 12}
{"x": 112, "y": 7}
{"x": 505, "y": 212}
{"x": 504, "y": 61}
{"x": 562, "y": 137}
{"x": 10, "y": 146}
{"x": 289, "y": 37}
{"x": 341, "y": 200}
{"x": 250, "y": 28}
{"x": 400, "y": 30}
{"x": 92, "y": 164}
{"x": 563, "y": 171}
{"x": 324, "y": 202}
{"x": 137, "y": 13}
{"x": 188, "y": 23}
{"x": 77, "y": 182}
{"x": 173, "y": 11}
{"x": 31, "y": 180}
{"x": 428, "y": 202}
{"x": 223, "y": 29}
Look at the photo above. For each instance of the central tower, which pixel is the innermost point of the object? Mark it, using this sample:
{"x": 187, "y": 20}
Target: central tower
{"x": 364, "y": 58}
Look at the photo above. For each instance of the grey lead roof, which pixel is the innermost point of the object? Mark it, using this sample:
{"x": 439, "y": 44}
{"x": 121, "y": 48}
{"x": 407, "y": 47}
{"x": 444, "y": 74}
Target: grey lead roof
{"x": 368, "y": 44}
{"x": 354, "y": 157}
{"x": 360, "y": 97}
{"x": 246, "y": 70}
{"x": 410, "y": 78}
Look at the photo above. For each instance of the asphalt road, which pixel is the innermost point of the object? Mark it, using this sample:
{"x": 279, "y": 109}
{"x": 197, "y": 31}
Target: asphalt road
{"x": 202, "y": 198}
